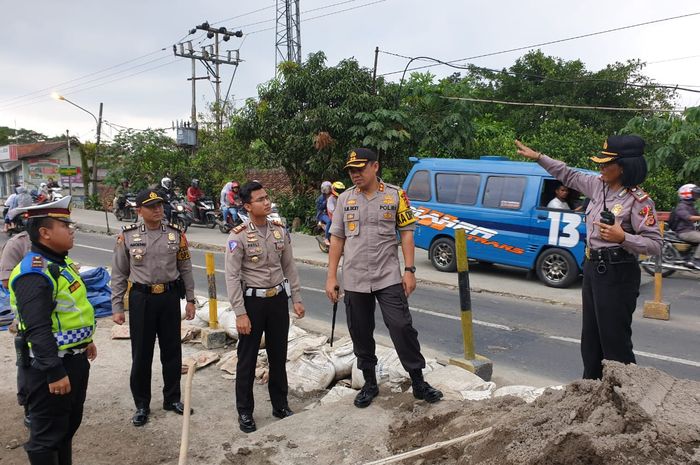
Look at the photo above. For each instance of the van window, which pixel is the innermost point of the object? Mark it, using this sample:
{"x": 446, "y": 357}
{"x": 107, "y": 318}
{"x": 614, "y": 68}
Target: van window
{"x": 457, "y": 188}
{"x": 504, "y": 192}
{"x": 419, "y": 189}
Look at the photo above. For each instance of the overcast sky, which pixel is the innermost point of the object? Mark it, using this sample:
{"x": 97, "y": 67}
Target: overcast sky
{"x": 47, "y": 42}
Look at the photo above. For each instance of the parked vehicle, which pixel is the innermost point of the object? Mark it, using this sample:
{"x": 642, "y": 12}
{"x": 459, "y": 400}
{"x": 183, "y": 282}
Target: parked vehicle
{"x": 206, "y": 214}
{"x": 676, "y": 255}
{"x": 502, "y": 206}
{"x": 128, "y": 211}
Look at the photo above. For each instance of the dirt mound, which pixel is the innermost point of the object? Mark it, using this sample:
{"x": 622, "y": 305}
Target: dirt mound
{"x": 633, "y": 416}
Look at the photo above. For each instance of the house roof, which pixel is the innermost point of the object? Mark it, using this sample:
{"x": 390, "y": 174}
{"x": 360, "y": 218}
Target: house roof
{"x": 38, "y": 149}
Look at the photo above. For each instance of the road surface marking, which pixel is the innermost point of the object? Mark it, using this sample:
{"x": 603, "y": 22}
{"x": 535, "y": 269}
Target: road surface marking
{"x": 666, "y": 358}
{"x": 93, "y": 248}
{"x": 433, "y": 313}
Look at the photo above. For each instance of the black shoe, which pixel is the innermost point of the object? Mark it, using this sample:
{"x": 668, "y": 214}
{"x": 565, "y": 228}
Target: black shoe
{"x": 246, "y": 423}
{"x": 283, "y": 412}
{"x": 177, "y": 407}
{"x": 426, "y": 392}
{"x": 140, "y": 418}
{"x": 368, "y": 392}
{"x": 27, "y": 421}
{"x": 43, "y": 458}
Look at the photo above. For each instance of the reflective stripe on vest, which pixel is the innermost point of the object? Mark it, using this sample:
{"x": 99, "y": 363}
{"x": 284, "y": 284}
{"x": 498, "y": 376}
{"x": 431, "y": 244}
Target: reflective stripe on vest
{"x": 73, "y": 318}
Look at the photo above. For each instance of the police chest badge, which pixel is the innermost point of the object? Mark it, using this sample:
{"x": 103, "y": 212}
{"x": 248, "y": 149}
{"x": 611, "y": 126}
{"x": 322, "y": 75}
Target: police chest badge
{"x": 255, "y": 259}
{"x": 617, "y": 209}
{"x": 352, "y": 226}
{"x": 277, "y": 235}
{"x": 388, "y": 199}
{"x": 171, "y": 237}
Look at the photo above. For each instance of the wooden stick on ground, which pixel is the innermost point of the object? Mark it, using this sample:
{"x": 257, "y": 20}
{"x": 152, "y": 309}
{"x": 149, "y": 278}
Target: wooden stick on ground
{"x": 185, "y": 440}
{"x": 429, "y": 448}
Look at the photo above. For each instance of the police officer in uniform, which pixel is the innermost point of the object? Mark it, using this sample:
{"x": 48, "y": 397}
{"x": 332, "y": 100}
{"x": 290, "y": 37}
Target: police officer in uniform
{"x": 56, "y": 325}
{"x": 364, "y": 227}
{"x": 14, "y": 251}
{"x": 620, "y": 225}
{"x": 258, "y": 259}
{"x": 154, "y": 257}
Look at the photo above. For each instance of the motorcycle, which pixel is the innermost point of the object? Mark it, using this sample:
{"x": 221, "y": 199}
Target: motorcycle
{"x": 676, "y": 255}
{"x": 128, "y": 211}
{"x": 320, "y": 234}
{"x": 17, "y": 225}
{"x": 231, "y": 222}
{"x": 55, "y": 193}
{"x": 207, "y": 213}
{"x": 179, "y": 214}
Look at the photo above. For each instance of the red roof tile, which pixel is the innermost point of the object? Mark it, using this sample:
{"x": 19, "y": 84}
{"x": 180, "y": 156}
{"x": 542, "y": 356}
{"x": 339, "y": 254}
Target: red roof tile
{"x": 38, "y": 149}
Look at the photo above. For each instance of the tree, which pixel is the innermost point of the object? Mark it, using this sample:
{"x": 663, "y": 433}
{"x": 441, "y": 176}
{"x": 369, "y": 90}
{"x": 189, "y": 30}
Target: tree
{"x": 293, "y": 109}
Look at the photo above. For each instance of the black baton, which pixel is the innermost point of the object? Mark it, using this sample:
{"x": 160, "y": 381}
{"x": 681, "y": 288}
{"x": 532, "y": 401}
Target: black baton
{"x": 335, "y": 310}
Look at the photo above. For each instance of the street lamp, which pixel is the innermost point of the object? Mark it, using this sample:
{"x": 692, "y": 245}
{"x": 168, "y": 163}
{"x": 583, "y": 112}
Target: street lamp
{"x": 98, "y": 121}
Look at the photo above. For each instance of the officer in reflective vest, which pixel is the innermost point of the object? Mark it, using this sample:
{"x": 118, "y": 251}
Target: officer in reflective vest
{"x": 56, "y": 326}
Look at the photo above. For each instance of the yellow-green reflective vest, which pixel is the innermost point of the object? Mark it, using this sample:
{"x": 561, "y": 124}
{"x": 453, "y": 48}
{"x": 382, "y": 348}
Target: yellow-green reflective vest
{"x": 73, "y": 318}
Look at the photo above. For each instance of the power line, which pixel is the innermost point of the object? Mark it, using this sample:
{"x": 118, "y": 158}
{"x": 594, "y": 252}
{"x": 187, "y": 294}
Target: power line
{"x": 557, "y": 105}
{"x": 471, "y": 67}
{"x": 551, "y": 42}
{"x": 46, "y": 89}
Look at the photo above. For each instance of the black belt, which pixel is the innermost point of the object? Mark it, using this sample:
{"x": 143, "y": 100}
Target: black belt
{"x": 155, "y": 288}
{"x": 610, "y": 255}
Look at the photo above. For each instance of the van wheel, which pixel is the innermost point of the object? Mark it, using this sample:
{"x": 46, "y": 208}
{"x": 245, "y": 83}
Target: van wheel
{"x": 556, "y": 268}
{"x": 443, "y": 255}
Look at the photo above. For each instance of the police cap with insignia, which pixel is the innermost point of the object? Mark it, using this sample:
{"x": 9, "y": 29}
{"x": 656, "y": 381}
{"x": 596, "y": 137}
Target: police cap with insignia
{"x": 147, "y": 198}
{"x": 58, "y": 210}
{"x": 358, "y": 158}
{"x": 618, "y": 147}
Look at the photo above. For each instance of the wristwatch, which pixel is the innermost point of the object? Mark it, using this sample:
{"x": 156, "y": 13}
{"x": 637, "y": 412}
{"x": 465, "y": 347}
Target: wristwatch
{"x": 412, "y": 269}
{"x": 193, "y": 301}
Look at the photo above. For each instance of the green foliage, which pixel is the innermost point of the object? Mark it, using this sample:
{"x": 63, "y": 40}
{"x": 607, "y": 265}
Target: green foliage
{"x": 301, "y": 206}
{"x": 569, "y": 141}
{"x": 21, "y": 136}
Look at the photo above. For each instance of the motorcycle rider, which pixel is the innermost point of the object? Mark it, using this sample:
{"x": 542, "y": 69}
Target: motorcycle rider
{"x": 686, "y": 215}
{"x": 337, "y": 188}
{"x": 234, "y": 200}
{"x": 120, "y": 192}
{"x": 194, "y": 193}
{"x": 22, "y": 200}
{"x": 166, "y": 192}
{"x": 43, "y": 193}
{"x": 322, "y": 208}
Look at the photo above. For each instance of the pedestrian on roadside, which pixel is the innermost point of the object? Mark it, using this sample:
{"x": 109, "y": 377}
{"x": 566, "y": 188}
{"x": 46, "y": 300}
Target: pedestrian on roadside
{"x": 56, "y": 326}
{"x": 363, "y": 231}
{"x": 154, "y": 256}
{"x": 620, "y": 225}
{"x": 12, "y": 253}
{"x": 260, "y": 276}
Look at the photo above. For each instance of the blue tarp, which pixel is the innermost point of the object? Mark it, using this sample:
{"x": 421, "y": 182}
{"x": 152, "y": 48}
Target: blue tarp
{"x": 98, "y": 291}
{"x": 6, "y": 315}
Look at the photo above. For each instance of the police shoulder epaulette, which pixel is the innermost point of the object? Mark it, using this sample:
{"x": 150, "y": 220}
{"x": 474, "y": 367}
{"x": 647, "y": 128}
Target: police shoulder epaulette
{"x": 386, "y": 184}
{"x": 239, "y": 228}
{"x": 130, "y": 227}
{"x": 277, "y": 223}
{"x": 175, "y": 226}
{"x": 639, "y": 194}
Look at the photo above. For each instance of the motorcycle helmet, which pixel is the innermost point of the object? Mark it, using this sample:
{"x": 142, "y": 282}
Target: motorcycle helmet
{"x": 688, "y": 192}
{"x": 166, "y": 183}
{"x": 326, "y": 187}
{"x": 195, "y": 183}
{"x": 235, "y": 185}
{"x": 42, "y": 185}
{"x": 338, "y": 188}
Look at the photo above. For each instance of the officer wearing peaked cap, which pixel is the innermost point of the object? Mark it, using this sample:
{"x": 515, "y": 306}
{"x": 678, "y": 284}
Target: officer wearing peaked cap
{"x": 56, "y": 325}
{"x": 366, "y": 219}
{"x": 620, "y": 224}
{"x": 153, "y": 255}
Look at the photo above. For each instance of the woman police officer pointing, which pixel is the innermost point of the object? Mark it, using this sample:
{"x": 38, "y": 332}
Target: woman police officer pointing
{"x": 620, "y": 224}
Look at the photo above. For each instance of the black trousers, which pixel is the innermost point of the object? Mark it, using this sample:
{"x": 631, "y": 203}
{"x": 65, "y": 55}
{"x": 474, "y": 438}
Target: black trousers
{"x": 609, "y": 300}
{"x": 55, "y": 419}
{"x": 393, "y": 303}
{"x": 152, "y": 315}
{"x": 269, "y": 316}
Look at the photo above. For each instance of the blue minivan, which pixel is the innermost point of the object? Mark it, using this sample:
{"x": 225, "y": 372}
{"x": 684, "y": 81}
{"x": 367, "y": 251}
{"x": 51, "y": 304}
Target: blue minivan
{"x": 502, "y": 206}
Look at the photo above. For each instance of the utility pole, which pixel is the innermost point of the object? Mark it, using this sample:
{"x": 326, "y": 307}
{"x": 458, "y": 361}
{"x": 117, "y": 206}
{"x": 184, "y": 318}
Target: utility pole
{"x": 288, "y": 32}
{"x": 70, "y": 177}
{"x": 209, "y": 55}
{"x": 374, "y": 73}
{"x": 97, "y": 151}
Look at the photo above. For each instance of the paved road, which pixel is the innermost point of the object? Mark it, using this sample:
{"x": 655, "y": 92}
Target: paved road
{"x": 529, "y": 342}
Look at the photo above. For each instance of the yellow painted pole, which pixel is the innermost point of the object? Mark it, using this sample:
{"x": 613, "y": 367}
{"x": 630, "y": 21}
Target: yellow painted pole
{"x": 657, "y": 272}
{"x": 465, "y": 299}
{"x": 211, "y": 284}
